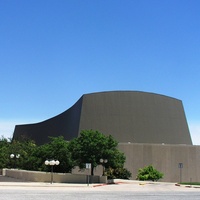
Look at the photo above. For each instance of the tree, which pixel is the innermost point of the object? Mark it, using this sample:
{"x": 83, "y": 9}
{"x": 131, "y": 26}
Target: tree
{"x": 26, "y": 151}
{"x": 92, "y": 146}
{"x": 149, "y": 173}
{"x": 56, "y": 149}
{"x": 4, "y": 152}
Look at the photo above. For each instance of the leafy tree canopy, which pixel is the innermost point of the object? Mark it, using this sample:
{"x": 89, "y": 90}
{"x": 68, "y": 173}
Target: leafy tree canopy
{"x": 56, "y": 149}
{"x": 4, "y": 152}
{"x": 91, "y": 146}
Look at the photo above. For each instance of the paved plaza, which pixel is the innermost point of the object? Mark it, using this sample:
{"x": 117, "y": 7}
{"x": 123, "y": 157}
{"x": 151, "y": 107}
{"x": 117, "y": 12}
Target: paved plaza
{"x": 133, "y": 190}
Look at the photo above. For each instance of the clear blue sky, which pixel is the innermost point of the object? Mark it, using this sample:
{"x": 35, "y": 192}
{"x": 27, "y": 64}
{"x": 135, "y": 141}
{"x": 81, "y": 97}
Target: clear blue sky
{"x": 54, "y": 51}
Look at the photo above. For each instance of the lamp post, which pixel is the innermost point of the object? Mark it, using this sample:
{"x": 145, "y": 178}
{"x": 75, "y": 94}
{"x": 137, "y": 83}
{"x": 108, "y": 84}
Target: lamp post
{"x": 52, "y": 163}
{"x": 180, "y": 166}
{"x": 103, "y": 162}
{"x": 13, "y": 156}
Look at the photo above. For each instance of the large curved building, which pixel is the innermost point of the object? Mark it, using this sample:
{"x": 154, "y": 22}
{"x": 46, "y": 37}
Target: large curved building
{"x": 129, "y": 116}
{"x": 151, "y": 130}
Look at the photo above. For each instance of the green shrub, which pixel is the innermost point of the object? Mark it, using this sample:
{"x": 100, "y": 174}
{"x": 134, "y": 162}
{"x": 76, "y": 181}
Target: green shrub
{"x": 119, "y": 173}
{"x": 149, "y": 173}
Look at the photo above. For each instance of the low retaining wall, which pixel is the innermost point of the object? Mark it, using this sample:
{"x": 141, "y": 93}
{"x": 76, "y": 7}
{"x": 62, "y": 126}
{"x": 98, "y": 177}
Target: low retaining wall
{"x": 36, "y": 176}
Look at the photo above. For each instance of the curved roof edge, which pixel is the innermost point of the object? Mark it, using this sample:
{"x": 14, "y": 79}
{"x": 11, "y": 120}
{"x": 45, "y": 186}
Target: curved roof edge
{"x": 93, "y": 93}
{"x": 133, "y": 91}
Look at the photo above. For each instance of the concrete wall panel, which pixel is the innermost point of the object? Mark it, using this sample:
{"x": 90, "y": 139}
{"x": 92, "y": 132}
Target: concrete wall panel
{"x": 165, "y": 158}
{"x": 36, "y": 176}
{"x": 136, "y": 117}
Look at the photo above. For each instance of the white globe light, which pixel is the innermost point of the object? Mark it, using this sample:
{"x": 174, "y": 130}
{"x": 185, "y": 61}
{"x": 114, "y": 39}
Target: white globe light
{"x": 12, "y": 155}
{"x": 52, "y": 162}
{"x": 103, "y": 160}
{"x": 46, "y": 162}
{"x": 18, "y": 155}
{"x": 57, "y": 162}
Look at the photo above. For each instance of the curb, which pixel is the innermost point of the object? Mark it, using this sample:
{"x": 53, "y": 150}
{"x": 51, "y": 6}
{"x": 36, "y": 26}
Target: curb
{"x": 46, "y": 185}
{"x": 99, "y": 185}
{"x": 187, "y": 186}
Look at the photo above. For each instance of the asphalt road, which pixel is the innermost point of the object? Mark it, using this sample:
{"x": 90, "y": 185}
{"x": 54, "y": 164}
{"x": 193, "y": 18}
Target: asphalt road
{"x": 124, "y": 191}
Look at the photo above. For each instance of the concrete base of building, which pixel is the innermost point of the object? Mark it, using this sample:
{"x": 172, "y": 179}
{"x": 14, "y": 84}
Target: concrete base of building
{"x": 178, "y": 163}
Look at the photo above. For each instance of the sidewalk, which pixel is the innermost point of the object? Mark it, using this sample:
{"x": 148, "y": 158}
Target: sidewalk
{"x": 8, "y": 181}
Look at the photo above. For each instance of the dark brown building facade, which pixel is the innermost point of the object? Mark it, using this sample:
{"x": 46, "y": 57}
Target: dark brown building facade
{"x": 129, "y": 116}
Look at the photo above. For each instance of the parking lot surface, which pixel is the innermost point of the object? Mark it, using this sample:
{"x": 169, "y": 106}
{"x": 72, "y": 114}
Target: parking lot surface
{"x": 123, "y": 190}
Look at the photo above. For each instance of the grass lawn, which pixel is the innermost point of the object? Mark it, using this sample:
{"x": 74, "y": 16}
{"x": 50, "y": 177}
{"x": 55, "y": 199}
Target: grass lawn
{"x": 190, "y": 183}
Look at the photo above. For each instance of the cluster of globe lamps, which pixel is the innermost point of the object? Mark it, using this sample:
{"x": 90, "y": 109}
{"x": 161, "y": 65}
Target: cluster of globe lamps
{"x": 52, "y": 163}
